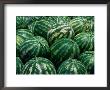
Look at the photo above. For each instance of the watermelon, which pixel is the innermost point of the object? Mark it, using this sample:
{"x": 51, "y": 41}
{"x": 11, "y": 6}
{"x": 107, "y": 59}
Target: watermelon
{"x": 39, "y": 65}
{"x": 36, "y": 46}
{"x": 72, "y": 66}
{"x": 87, "y": 58}
{"x": 40, "y": 28}
{"x": 22, "y": 22}
{"x": 62, "y": 31}
{"x": 82, "y": 24}
{"x": 64, "y": 44}
{"x": 25, "y": 33}
{"x": 85, "y": 41}
{"x": 19, "y": 65}
{"x": 62, "y": 49}
{"x": 56, "y": 21}
{"x": 21, "y": 36}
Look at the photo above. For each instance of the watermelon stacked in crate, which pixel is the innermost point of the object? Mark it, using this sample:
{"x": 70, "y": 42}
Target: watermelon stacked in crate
{"x": 54, "y": 45}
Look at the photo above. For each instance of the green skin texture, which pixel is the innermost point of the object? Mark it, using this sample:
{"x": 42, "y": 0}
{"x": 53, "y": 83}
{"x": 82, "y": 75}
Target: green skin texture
{"x": 36, "y": 46}
{"x": 85, "y": 41}
{"x": 62, "y": 49}
{"x": 21, "y": 36}
{"x": 19, "y": 65}
{"x": 56, "y": 21}
{"x": 82, "y": 24}
{"x": 39, "y": 65}
{"x": 71, "y": 66}
{"x": 54, "y": 45}
{"x": 62, "y": 31}
{"x": 22, "y": 22}
{"x": 40, "y": 28}
{"x": 87, "y": 58}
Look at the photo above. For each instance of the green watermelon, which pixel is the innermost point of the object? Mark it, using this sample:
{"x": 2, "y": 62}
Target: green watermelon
{"x": 19, "y": 65}
{"x": 56, "y": 21}
{"x": 87, "y": 58}
{"x": 62, "y": 49}
{"x": 36, "y": 46}
{"x": 39, "y": 65}
{"x": 40, "y": 28}
{"x": 72, "y": 66}
{"x": 21, "y": 36}
{"x": 62, "y": 31}
{"x": 82, "y": 24}
{"x": 25, "y": 33}
{"x": 85, "y": 41}
{"x": 22, "y": 22}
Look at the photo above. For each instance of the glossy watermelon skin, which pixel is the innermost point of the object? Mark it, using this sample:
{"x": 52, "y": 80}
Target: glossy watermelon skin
{"x": 39, "y": 65}
{"x": 63, "y": 49}
{"x": 85, "y": 41}
{"x": 22, "y": 22}
{"x": 87, "y": 58}
{"x": 36, "y": 46}
{"x": 21, "y": 36}
{"x": 82, "y": 24}
{"x": 62, "y": 31}
{"x": 25, "y": 33}
{"x": 40, "y": 28}
{"x": 19, "y": 65}
{"x": 56, "y": 21}
{"x": 72, "y": 66}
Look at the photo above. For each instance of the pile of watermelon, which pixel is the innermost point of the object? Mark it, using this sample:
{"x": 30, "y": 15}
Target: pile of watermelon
{"x": 54, "y": 45}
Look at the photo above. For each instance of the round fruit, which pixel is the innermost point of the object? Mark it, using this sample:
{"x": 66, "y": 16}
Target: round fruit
{"x": 85, "y": 41}
{"x": 36, "y": 46}
{"x": 87, "y": 58}
{"x": 82, "y": 24}
{"x": 21, "y": 36}
{"x": 72, "y": 66}
{"x": 22, "y": 22}
{"x": 40, "y": 28}
{"x": 62, "y": 31}
{"x": 62, "y": 49}
{"x": 39, "y": 65}
{"x": 25, "y": 33}
{"x": 56, "y": 21}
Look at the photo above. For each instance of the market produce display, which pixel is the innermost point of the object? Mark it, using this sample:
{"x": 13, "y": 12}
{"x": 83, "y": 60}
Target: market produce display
{"x": 54, "y": 45}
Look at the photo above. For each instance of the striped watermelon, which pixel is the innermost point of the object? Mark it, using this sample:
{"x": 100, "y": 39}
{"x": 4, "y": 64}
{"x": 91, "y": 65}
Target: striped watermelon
{"x": 38, "y": 18}
{"x": 39, "y": 65}
{"x": 25, "y": 33}
{"x": 62, "y": 31}
{"x": 56, "y": 21}
{"x": 90, "y": 23}
{"x": 40, "y": 28}
{"x": 36, "y": 46}
{"x": 87, "y": 58}
{"x": 72, "y": 66}
{"x": 82, "y": 24}
{"x": 62, "y": 49}
{"x": 85, "y": 41}
{"x": 19, "y": 65}
{"x": 21, "y": 36}
{"x": 22, "y": 22}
